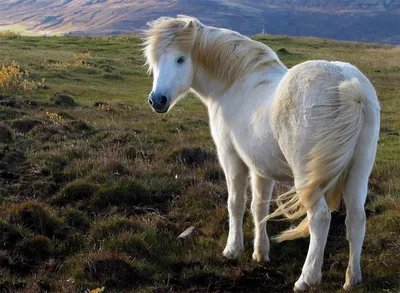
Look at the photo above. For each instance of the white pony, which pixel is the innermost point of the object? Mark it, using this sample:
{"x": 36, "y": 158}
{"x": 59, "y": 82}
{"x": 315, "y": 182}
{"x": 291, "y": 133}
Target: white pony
{"x": 316, "y": 123}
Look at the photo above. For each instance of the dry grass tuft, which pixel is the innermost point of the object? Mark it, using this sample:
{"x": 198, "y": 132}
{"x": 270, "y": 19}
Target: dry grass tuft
{"x": 112, "y": 271}
{"x": 35, "y": 216}
{"x": 13, "y": 78}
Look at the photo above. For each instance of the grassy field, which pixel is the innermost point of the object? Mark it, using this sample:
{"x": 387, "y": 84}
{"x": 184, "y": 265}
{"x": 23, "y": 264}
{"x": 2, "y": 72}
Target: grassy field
{"x": 95, "y": 188}
{"x": 19, "y": 29}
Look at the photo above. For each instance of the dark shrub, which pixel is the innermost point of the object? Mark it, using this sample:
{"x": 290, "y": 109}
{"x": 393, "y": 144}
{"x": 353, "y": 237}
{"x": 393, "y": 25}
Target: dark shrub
{"x": 36, "y": 248}
{"x": 8, "y": 114}
{"x": 112, "y": 271}
{"x": 6, "y": 135}
{"x": 133, "y": 153}
{"x": 78, "y": 127}
{"x": 130, "y": 243}
{"x": 214, "y": 175}
{"x": 283, "y": 51}
{"x": 122, "y": 193}
{"x": 34, "y": 216}
{"x": 64, "y": 99}
{"x": 192, "y": 156}
{"x": 76, "y": 219}
{"x": 24, "y": 125}
{"x": 75, "y": 191}
{"x": 9, "y": 235}
{"x": 46, "y": 133}
{"x": 114, "y": 226}
{"x": 65, "y": 115}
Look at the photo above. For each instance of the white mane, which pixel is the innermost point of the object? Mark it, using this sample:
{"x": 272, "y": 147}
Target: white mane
{"x": 224, "y": 53}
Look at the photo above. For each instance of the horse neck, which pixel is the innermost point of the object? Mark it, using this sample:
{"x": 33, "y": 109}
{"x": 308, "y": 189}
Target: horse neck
{"x": 209, "y": 86}
{"x": 210, "y": 89}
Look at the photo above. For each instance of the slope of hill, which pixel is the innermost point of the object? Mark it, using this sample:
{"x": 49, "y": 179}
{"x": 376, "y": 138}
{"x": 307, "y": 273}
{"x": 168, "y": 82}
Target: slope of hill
{"x": 357, "y": 20}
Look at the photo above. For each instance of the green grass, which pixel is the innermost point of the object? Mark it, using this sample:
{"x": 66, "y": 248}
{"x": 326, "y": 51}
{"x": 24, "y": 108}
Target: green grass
{"x": 95, "y": 193}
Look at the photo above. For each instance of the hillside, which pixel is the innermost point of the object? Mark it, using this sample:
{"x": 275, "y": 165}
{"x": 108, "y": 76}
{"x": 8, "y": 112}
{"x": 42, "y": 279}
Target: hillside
{"x": 95, "y": 187}
{"x": 357, "y": 20}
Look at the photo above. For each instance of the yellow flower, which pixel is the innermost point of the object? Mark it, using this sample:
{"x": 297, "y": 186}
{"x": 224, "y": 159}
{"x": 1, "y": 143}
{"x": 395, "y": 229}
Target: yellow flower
{"x": 98, "y": 290}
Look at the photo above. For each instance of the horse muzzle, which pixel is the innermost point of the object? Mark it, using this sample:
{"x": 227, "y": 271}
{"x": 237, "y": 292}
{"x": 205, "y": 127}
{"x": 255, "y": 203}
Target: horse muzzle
{"x": 160, "y": 103}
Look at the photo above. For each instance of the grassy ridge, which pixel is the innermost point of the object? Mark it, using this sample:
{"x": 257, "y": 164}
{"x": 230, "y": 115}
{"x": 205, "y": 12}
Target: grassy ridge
{"x": 95, "y": 188}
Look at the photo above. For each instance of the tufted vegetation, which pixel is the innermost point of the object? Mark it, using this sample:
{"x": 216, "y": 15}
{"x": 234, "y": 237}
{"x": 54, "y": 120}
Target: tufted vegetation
{"x": 95, "y": 188}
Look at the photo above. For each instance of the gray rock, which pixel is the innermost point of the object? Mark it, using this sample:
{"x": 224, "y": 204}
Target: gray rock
{"x": 188, "y": 233}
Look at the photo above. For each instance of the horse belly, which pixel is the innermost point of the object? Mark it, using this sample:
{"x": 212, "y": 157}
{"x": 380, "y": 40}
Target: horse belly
{"x": 264, "y": 158}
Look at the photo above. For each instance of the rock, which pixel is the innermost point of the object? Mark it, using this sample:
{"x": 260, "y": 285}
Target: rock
{"x": 188, "y": 233}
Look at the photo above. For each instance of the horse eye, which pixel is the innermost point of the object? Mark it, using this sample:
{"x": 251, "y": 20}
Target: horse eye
{"x": 180, "y": 60}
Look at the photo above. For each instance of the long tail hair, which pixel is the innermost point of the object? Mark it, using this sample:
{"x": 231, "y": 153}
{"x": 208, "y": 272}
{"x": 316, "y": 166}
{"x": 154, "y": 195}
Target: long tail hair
{"x": 329, "y": 159}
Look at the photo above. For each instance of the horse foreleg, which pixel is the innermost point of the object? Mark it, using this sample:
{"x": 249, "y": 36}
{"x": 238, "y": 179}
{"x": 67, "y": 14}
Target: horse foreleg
{"x": 262, "y": 190}
{"x": 319, "y": 218}
{"x": 236, "y": 173}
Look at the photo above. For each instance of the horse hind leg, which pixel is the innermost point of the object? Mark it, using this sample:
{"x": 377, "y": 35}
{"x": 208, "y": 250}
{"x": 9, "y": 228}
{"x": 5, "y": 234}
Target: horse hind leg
{"x": 319, "y": 218}
{"x": 354, "y": 194}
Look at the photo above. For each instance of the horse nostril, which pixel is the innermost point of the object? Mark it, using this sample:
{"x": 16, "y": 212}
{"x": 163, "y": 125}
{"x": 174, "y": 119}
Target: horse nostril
{"x": 163, "y": 100}
{"x": 150, "y": 102}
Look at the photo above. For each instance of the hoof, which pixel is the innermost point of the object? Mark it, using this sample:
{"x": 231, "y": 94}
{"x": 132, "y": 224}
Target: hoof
{"x": 260, "y": 258}
{"x": 351, "y": 284}
{"x": 232, "y": 253}
{"x": 300, "y": 286}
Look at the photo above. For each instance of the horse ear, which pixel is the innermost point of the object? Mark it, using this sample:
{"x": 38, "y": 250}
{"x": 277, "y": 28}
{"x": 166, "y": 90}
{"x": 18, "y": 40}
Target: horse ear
{"x": 189, "y": 26}
{"x": 187, "y": 36}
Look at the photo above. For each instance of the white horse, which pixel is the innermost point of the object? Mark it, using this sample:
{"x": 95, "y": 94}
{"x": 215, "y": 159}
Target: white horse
{"x": 316, "y": 123}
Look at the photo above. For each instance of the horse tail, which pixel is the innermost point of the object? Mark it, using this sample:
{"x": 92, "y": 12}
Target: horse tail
{"x": 340, "y": 126}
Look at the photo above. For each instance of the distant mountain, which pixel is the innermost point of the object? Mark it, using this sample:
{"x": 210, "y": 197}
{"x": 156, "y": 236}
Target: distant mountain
{"x": 356, "y": 20}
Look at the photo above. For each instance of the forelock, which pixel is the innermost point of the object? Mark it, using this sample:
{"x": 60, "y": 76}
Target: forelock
{"x": 165, "y": 32}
